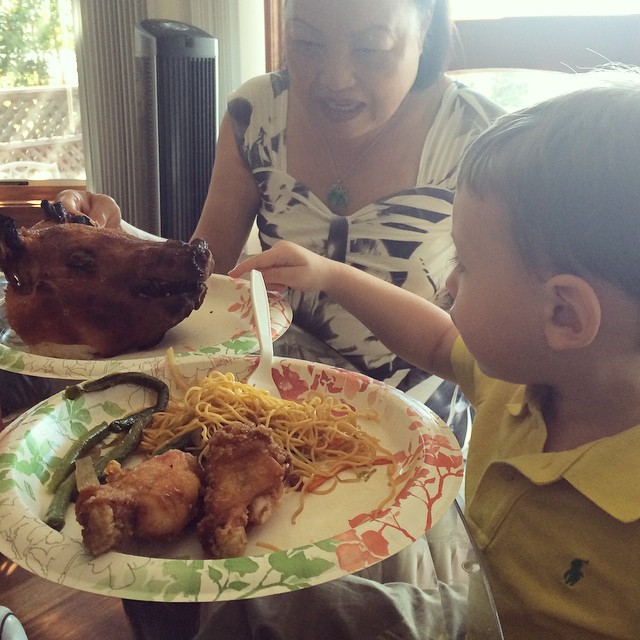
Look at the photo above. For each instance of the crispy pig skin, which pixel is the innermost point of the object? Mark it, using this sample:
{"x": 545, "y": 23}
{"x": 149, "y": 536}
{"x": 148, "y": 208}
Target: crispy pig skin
{"x": 95, "y": 292}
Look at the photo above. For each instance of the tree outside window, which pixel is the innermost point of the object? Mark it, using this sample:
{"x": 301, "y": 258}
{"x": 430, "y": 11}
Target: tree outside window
{"x": 40, "y": 134}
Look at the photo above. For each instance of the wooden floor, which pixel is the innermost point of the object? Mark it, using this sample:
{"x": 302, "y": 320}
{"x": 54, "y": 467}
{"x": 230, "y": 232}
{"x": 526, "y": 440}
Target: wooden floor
{"x": 49, "y": 611}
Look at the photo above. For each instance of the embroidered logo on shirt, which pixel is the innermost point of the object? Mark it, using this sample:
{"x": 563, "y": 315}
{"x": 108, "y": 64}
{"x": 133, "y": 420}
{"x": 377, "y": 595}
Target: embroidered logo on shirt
{"x": 574, "y": 573}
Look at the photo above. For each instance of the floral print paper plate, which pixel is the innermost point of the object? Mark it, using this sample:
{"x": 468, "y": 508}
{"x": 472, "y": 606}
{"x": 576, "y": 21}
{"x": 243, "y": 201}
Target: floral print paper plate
{"x": 223, "y": 325}
{"x": 336, "y": 534}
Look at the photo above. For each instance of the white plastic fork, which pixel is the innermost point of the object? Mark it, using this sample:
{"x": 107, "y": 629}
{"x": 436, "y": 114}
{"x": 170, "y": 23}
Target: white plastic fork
{"x": 262, "y": 375}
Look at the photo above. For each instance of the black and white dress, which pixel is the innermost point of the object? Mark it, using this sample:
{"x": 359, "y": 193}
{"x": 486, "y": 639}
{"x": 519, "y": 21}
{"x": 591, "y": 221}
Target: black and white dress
{"x": 404, "y": 238}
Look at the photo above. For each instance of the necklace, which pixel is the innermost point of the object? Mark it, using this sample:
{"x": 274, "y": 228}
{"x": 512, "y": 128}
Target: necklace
{"x": 338, "y": 194}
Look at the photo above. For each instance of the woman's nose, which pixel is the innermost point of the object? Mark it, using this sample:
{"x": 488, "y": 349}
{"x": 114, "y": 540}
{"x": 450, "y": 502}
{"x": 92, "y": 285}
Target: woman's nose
{"x": 337, "y": 71}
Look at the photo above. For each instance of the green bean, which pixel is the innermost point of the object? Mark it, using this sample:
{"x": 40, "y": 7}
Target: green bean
{"x": 77, "y": 450}
{"x": 125, "y": 424}
{"x": 133, "y": 424}
{"x": 57, "y": 510}
{"x": 67, "y": 491}
{"x": 124, "y": 377}
{"x": 124, "y": 448}
{"x": 180, "y": 441}
{"x": 114, "y": 379}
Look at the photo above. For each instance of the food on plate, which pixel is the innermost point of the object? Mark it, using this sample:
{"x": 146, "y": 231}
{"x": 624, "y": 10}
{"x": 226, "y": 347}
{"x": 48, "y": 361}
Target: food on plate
{"x": 244, "y": 474}
{"x": 321, "y": 435}
{"x": 78, "y": 291}
{"x": 154, "y": 500}
{"x": 243, "y": 449}
{"x": 132, "y": 423}
{"x": 62, "y": 482}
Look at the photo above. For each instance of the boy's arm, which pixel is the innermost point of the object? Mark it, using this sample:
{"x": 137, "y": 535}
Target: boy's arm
{"x": 409, "y": 326}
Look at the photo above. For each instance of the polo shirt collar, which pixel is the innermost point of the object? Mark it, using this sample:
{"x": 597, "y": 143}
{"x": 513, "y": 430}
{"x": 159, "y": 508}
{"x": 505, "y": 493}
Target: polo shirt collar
{"x": 606, "y": 471}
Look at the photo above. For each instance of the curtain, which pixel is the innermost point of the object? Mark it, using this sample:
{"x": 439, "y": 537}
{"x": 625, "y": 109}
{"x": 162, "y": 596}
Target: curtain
{"x": 119, "y": 157}
{"x": 118, "y": 131}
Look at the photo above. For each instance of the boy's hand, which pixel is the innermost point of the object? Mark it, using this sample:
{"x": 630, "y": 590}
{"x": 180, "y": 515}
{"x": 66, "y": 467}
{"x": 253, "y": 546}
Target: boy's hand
{"x": 411, "y": 327}
{"x": 289, "y": 265}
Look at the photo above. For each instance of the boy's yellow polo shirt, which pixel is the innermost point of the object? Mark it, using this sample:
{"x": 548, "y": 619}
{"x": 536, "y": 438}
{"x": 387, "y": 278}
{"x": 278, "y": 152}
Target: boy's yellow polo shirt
{"x": 560, "y": 531}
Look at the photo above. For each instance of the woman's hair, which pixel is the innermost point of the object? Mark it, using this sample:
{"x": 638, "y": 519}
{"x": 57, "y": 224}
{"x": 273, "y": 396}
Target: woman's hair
{"x": 568, "y": 171}
{"x": 437, "y": 43}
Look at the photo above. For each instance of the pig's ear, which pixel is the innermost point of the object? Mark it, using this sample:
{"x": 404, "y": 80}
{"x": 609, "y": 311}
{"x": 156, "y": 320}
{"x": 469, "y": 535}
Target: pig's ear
{"x": 10, "y": 242}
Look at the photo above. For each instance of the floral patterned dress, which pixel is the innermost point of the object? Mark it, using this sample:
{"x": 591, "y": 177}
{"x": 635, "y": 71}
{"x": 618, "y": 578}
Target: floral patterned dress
{"x": 404, "y": 238}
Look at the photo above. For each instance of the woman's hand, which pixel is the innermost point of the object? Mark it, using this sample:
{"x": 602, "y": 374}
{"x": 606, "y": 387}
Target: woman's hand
{"x": 288, "y": 265}
{"x": 101, "y": 208}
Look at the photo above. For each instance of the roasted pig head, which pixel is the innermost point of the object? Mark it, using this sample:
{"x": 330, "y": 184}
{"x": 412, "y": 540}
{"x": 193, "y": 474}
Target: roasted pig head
{"x": 78, "y": 291}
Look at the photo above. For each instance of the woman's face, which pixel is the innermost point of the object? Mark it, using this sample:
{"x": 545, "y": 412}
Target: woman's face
{"x": 352, "y": 62}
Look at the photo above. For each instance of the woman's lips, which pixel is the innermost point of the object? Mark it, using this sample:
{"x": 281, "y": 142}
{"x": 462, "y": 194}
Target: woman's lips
{"x": 336, "y": 111}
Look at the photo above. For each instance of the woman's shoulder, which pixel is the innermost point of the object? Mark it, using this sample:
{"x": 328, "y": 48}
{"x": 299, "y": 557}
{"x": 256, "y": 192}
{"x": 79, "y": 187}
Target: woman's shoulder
{"x": 460, "y": 97}
{"x": 266, "y": 88}
{"x": 259, "y": 106}
{"x": 258, "y": 113}
{"x": 463, "y": 114}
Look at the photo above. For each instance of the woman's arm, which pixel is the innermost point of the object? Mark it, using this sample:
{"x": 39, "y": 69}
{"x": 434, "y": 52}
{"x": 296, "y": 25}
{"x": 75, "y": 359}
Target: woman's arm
{"x": 231, "y": 205}
{"x": 413, "y": 328}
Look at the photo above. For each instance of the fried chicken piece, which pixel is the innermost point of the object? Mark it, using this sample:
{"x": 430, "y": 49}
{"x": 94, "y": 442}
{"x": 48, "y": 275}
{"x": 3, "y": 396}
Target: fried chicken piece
{"x": 155, "y": 500}
{"x": 244, "y": 481}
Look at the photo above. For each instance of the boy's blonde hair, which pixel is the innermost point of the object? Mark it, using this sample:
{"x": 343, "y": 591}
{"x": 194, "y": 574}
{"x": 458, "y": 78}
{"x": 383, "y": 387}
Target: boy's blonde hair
{"x": 568, "y": 170}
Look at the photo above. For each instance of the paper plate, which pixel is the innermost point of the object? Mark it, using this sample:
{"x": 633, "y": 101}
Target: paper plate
{"x": 336, "y": 534}
{"x": 222, "y": 326}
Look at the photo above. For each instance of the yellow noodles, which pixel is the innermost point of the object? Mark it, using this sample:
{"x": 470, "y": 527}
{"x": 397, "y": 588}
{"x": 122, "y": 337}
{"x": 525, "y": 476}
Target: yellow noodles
{"x": 321, "y": 435}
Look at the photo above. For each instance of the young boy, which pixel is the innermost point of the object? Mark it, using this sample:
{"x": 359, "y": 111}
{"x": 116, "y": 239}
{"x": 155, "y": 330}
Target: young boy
{"x": 544, "y": 339}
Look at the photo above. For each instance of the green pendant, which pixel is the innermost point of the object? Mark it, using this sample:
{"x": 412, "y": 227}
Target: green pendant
{"x": 338, "y": 197}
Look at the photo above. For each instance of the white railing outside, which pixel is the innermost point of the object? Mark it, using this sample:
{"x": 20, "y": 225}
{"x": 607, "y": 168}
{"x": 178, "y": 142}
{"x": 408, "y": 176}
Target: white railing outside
{"x": 40, "y": 133}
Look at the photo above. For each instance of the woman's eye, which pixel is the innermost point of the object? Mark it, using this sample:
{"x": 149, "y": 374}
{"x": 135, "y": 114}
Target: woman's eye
{"x": 368, "y": 52}
{"x": 307, "y": 46}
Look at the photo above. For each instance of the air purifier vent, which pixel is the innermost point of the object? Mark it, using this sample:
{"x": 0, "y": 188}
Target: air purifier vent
{"x": 180, "y": 112}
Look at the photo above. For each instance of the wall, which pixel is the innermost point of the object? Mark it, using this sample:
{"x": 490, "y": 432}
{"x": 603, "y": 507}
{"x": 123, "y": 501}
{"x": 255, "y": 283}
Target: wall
{"x": 237, "y": 24}
{"x": 180, "y": 11}
{"x": 251, "y": 17}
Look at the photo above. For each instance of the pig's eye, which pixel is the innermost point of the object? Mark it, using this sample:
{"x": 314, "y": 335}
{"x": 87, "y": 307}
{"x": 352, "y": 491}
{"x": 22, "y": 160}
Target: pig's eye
{"x": 82, "y": 261}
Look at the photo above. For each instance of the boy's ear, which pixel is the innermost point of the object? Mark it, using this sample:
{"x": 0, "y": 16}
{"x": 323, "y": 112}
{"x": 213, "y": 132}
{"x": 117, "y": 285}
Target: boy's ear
{"x": 572, "y": 314}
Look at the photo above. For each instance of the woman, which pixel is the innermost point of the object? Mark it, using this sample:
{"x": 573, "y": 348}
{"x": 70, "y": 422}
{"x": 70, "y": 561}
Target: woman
{"x": 351, "y": 151}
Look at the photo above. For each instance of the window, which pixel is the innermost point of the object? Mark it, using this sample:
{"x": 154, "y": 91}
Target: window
{"x": 520, "y": 53}
{"x": 474, "y": 10}
{"x": 40, "y": 132}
